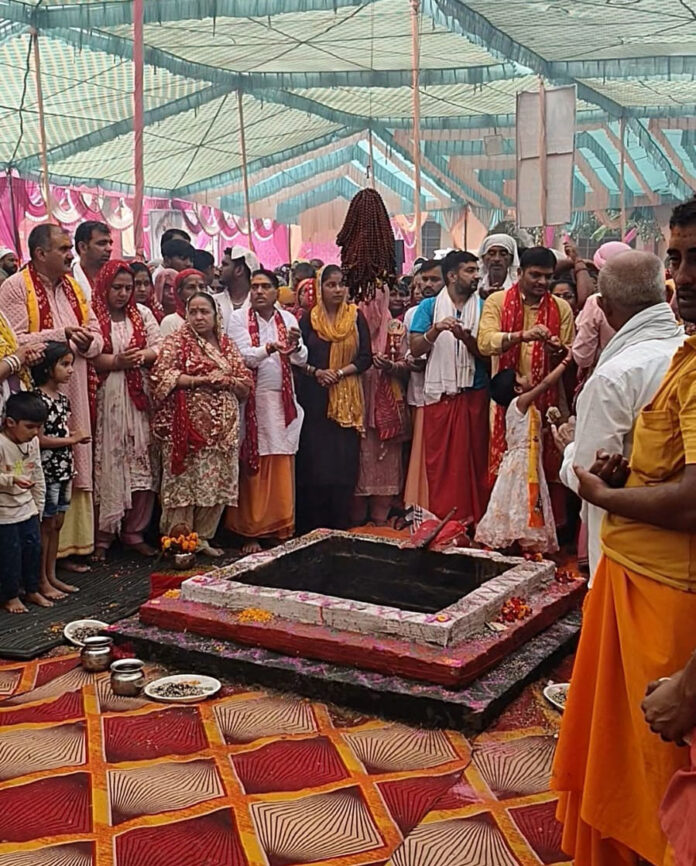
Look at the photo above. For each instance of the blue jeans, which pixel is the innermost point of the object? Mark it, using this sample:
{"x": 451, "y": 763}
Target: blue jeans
{"x": 20, "y": 566}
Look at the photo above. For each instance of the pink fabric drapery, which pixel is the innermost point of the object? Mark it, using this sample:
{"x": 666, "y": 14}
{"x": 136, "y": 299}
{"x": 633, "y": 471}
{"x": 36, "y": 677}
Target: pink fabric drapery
{"x": 73, "y": 206}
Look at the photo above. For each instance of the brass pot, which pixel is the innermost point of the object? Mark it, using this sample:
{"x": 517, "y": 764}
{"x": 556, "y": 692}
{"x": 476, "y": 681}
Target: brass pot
{"x": 183, "y": 561}
{"x": 97, "y": 653}
{"x": 127, "y": 677}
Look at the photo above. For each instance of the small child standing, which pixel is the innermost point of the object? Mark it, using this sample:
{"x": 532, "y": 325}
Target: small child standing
{"x": 56, "y": 443}
{"x": 519, "y": 510}
{"x": 22, "y": 492}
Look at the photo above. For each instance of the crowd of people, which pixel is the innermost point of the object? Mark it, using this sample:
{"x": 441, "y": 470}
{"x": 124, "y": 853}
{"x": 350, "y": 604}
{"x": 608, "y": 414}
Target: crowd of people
{"x": 512, "y": 389}
{"x": 221, "y": 398}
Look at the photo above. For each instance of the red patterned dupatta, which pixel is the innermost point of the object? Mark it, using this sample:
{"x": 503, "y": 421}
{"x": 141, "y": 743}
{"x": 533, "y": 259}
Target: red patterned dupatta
{"x": 250, "y": 446}
{"x": 134, "y": 376}
{"x": 195, "y": 361}
{"x": 512, "y": 319}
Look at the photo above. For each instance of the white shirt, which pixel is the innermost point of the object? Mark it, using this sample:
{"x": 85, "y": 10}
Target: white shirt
{"x": 226, "y": 308}
{"x": 607, "y": 409}
{"x": 274, "y": 436}
{"x": 82, "y": 280}
{"x": 416, "y": 381}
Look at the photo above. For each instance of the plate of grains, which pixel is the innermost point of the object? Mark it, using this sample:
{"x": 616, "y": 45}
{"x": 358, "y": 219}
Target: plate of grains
{"x": 183, "y": 688}
{"x": 76, "y": 631}
{"x": 556, "y": 694}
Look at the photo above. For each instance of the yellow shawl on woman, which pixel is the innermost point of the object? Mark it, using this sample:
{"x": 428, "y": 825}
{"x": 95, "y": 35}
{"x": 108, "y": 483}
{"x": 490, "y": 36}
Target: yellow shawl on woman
{"x": 8, "y": 346}
{"x": 346, "y": 403}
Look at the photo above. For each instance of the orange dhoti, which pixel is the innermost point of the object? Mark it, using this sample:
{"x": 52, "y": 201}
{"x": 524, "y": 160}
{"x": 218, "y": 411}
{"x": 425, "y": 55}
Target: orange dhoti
{"x": 266, "y": 500}
{"x": 610, "y": 769}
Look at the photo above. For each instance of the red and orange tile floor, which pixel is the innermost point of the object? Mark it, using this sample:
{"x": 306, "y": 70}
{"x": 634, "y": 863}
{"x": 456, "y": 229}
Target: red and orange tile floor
{"x": 258, "y": 779}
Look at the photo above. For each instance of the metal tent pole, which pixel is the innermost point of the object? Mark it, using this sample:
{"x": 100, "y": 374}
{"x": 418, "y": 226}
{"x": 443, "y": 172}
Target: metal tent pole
{"x": 245, "y": 173}
{"x": 138, "y": 125}
{"x": 415, "y": 58}
{"x": 544, "y": 193}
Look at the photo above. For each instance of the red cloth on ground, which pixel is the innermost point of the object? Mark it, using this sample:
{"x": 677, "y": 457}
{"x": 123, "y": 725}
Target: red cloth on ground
{"x": 455, "y": 432}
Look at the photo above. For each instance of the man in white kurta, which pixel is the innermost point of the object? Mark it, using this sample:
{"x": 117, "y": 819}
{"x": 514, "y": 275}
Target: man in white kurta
{"x": 628, "y": 374}
{"x": 270, "y": 342}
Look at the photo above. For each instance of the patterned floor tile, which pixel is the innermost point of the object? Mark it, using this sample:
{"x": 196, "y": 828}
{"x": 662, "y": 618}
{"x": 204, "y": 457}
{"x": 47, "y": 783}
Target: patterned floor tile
{"x": 243, "y": 720}
{"x": 475, "y": 841}
{"x": 34, "y": 749}
{"x": 410, "y": 800}
{"x": 73, "y": 854}
{"x": 289, "y": 766}
{"x": 397, "y": 749}
{"x": 163, "y": 787}
{"x": 516, "y": 768}
{"x": 210, "y": 840}
{"x": 537, "y": 823}
{"x": 175, "y": 731}
{"x": 9, "y": 680}
{"x": 318, "y": 827}
{"x": 57, "y": 806}
{"x": 67, "y": 706}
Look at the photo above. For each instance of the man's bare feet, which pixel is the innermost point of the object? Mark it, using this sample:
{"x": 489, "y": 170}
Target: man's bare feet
{"x": 143, "y": 549}
{"x": 38, "y": 599}
{"x": 99, "y": 555}
{"x": 50, "y": 592}
{"x": 14, "y": 605}
{"x": 74, "y": 567}
{"x": 251, "y": 546}
{"x": 61, "y": 586}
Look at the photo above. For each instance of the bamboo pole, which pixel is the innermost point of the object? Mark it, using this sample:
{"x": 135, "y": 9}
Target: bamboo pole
{"x": 245, "y": 173}
{"x": 543, "y": 181}
{"x": 138, "y": 125}
{"x": 622, "y": 171}
{"x": 372, "y": 159}
{"x": 415, "y": 59}
{"x": 45, "y": 185}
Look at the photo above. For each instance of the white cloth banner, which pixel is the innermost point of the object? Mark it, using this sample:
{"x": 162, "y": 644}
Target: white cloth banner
{"x": 560, "y": 156}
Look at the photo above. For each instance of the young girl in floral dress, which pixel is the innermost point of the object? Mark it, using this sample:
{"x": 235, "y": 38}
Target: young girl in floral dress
{"x": 519, "y": 510}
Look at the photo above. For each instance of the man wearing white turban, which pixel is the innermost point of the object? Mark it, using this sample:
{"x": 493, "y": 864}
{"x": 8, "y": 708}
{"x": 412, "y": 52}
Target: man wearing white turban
{"x": 500, "y": 261}
{"x": 9, "y": 263}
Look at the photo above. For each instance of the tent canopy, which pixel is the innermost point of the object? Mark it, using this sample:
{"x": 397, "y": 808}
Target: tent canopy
{"x": 320, "y": 77}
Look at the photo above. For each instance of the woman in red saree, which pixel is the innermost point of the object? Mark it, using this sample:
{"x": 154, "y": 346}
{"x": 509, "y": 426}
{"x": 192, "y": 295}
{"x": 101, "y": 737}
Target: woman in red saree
{"x": 197, "y": 383}
{"x": 125, "y": 477}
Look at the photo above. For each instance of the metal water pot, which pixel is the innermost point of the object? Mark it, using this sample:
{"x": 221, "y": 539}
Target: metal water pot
{"x": 97, "y": 653}
{"x": 127, "y": 677}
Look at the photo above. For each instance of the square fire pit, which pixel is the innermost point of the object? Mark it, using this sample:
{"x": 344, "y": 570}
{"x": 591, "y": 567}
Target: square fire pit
{"x": 372, "y": 586}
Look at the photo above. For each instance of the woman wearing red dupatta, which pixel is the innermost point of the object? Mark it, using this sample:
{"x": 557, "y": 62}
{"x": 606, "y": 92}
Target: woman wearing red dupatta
{"x": 197, "y": 383}
{"x": 125, "y": 479}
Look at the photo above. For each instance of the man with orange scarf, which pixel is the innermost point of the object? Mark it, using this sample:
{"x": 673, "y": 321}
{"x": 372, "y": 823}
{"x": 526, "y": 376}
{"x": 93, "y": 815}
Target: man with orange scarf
{"x": 638, "y": 625}
{"x": 521, "y": 328}
{"x": 44, "y": 300}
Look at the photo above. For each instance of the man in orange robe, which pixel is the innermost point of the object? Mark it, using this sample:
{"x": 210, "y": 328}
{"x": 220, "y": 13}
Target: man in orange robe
{"x": 611, "y": 770}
